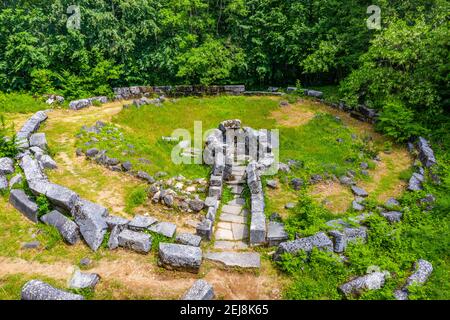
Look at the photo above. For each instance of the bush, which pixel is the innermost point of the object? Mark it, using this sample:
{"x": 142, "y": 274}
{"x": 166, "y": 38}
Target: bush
{"x": 397, "y": 121}
{"x": 43, "y": 205}
{"x": 8, "y": 146}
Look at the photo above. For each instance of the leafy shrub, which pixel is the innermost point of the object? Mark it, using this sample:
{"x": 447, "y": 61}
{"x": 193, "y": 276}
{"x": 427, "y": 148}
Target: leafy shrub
{"x": 43, "y": 204}
{"x": 397, "y": 121}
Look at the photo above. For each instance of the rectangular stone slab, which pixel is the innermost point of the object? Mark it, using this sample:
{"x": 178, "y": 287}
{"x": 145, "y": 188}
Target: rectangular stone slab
{"x": 180, "y": 257}
{"x": 23, "y": 203}
{"x": 137, "y": 241}
{"x": 246, "y": 260}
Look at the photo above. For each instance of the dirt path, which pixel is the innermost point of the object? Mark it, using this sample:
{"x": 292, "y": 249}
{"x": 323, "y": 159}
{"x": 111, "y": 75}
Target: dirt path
{"x": 146, "y": 280}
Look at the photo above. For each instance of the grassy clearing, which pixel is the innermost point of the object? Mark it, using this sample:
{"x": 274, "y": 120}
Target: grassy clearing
{"x": 20, "y": 103}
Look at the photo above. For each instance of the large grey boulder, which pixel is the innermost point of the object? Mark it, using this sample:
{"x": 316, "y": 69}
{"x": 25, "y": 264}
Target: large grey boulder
{"x": 188, "y": 239}
{"x": 6, "y": 166}
{"x": 200, "y": 290}
{"x": 31, "y": 125}
{"x": 357, "y": 286}
{"x": 38, "y": 290}
{"x": 38, "y": 140}
{"x": 319, "y": 240}
{"x": 180, "y": 257}
{"x": 92, "y": 224}
{"x": 113, "y": 241}
{"x": 31, "y": 169}
{"x": 83, "y": 280}
{"x": 140, "y": 222}
{"x": 422, "y": 271}
{"x": 68, "y": 229}
{"x": 165, "y": 229}
{"x": 61, "y": 197}
{"x": 23, "y": 203}
{"x": 426, "y": 154}
{"x": 137, "y": 241}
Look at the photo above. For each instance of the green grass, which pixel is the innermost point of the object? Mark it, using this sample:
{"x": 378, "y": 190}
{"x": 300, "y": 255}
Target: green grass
{"x": 135, "y": 198}
{"x": 314, "y": 143}
{"x": 20, "y": 103}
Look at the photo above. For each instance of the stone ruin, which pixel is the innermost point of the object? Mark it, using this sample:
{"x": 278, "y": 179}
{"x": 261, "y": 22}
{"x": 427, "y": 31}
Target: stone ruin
{"x": 227, "y": 147}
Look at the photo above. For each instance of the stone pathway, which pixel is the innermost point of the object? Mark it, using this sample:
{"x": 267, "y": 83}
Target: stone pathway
{"x": 232, "y": 228}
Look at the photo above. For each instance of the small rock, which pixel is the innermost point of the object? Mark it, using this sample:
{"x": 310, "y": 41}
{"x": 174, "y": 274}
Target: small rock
{"x": 92, "y": 152}
{"x": 289, "y": 205}
{"x": 83, "y": 280}
{"x": 392, "y": 202}
{"x": 127, "y": 166}
{"x": 297, "y": 183}
{"x": 85, "y": 262}
{"x": 31, "y": 245}
{"x": 359, "y": 191}
{"x": 392, "y": 216}
{"x": 357, "y": 206}
{"x": 200, "y": 290}
{"x": 196, "y": 205}
{"x": 272, "y": 184}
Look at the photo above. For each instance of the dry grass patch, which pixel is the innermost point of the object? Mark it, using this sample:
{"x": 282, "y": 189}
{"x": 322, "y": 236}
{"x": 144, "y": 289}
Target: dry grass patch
{"x": 277, "y": 199}
{"x": 334, "y": 196}
{"x": 385, "y": 179}
{"x": 292, "y": 115}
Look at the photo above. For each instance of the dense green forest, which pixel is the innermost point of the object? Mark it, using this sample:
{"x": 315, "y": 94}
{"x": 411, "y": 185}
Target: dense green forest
{"x": 402, "y": 67}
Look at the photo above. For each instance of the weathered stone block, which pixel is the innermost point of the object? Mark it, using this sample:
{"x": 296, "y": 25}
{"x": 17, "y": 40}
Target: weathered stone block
{"x": 200, "y": 290}
{"x": 68, "y": 229}
{"x": 38, "y": 290}
{"x": 188, "y": 239}
{"x": 180, "y": 257}
{"x": 23, "y": 203}
{"x": 137, "y": 241}
{"x": 319, "y": 240}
